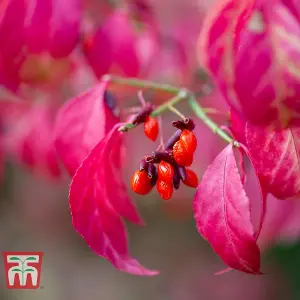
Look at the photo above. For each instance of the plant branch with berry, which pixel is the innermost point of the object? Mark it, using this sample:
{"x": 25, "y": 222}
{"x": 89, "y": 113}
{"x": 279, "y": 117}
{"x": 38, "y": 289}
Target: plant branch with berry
{"x": 180, "y": 95}
{"x": 169, "y": 164}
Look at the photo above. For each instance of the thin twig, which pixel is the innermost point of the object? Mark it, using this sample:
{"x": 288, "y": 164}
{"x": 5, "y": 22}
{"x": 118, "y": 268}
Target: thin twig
{"x": 180, "y": 94}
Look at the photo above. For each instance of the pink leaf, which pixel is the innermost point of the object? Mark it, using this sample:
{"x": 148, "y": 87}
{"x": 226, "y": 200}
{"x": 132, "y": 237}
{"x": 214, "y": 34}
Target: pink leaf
{"x": 251, "y": 48}
{"x": 102, "y": 172}
{"x": 123, "y": 43}
{"x": 81, "y": 123}
{"x": 262, "y": 195}
{"x": 98, "y": 201}
{"x": 12, "y": 14}
{"x": 37, "y": 27}
{"x": 32, "y": 33}
{"x": 65, "y": 27}
{"x": 97, "y": 49}
{"x": 222, "y": 213}
{"x": 52, "y": 25}
{"x": 275, "y": 156}
{"x": 27, "y": 136}
{"x": 241, "y": 165}
{"x": 110, "y": 47}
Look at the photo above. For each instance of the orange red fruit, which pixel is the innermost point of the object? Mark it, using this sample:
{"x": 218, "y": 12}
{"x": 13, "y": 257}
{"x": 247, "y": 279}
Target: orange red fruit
{"x": 183, "y": 150}
{"x": 165, "y": 189}
{"x": 165, "y": 171}
{"x": 181, "y": 155}
{"x": 191, "y": 179}
{"x": 188, "y": 140}
{"x": 141, "y": 183}
{"x": 151, "y": 128}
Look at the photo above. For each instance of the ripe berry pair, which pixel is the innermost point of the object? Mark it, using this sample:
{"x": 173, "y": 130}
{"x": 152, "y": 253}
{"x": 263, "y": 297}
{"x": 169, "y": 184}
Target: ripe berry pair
{"x": 169, "y": 177}
{"x": 171, "y": 170}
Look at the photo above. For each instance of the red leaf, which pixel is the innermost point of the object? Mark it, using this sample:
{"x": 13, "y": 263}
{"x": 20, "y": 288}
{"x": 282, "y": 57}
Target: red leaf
{"x": 109, "y": 46}
{"x": 274, "y": 154}
{"x": 98, "y": 52}
{"x": 250, "y": 48}
{"x": 98, "y": 200}
{"x": 81, "y": 123}
{"x": 241, "y": 165}
{"x": 222, "y": 213}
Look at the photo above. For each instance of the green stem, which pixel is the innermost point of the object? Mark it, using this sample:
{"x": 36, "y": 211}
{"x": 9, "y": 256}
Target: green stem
{"x": 198, "y": 110}
{"x": 142, "y": 84}
{"x": 181, "y": 94}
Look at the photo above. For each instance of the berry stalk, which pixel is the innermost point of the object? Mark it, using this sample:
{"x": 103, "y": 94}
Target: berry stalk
{"x": 181, "y": 94}
{"x": 197, "y": 109}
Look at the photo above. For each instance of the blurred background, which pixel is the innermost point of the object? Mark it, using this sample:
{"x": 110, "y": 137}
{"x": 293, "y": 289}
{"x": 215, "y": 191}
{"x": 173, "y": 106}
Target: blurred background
{"x": 34, "y": 212}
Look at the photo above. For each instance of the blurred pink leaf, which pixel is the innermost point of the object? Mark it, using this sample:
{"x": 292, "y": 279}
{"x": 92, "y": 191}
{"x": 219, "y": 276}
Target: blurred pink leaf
{"x": 98, "y": 200}
{"x": 251, "y": 48}
{"x": 27, "y": 135}
{"x": 12, "y": 14}
{"x": 274, "y": 154}
{"x": 109, "y": 46}
{"x": 52, "y": 25}
{"x": 81, "y": 123}
{"x": 65, "y": 27}
{"x": 97, "y": 49}
{"x": 222, "y": 213}
{"x": 128, "y": 52}
{"x": 33, "y": 30}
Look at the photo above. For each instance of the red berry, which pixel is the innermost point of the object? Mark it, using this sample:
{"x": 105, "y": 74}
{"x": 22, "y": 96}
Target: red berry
{"x": 164, "y": 189}
{"x": 188, "y": 140}
{"x": 165, "y": 171}
{"x": 151, "y": 128}
{"x": 141, "y": 183}
{"x": 181, "y": 155}
{"x": 191, "y": 178}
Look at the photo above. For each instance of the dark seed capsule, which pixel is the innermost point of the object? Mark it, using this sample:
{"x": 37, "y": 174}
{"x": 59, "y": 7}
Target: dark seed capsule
{"x": 189, "y": 123}
{"x": 154, "y": 175}
{"x": 152, "y": 159}
{"x": 181, "y": 171}
{"x": 143, "y": 165}
{"x": 173, "y": 139}
{"x": 184, "y": 124}
{"x": 150, "y": 170}
{"x": 179, "y": 124}
{"x": 164, "y": 155}
{"x": 176, "y": 179}
{"x": 143, "y": 114}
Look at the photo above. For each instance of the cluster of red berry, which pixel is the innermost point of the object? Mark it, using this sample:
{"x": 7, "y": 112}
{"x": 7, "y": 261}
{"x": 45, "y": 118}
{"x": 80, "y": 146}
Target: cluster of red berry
{"x": 171, "y": 164}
